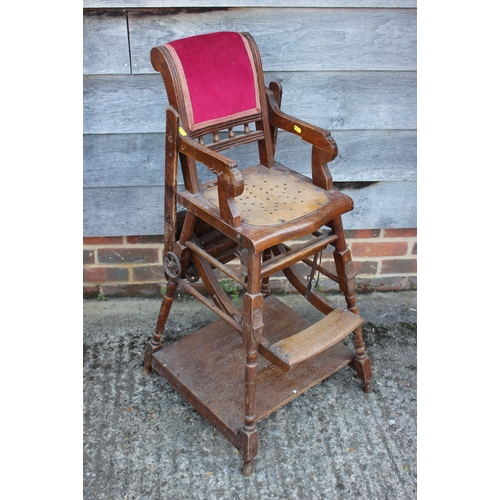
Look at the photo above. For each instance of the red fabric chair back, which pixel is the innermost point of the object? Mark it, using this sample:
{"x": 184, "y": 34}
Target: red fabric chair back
{"x": 218, "y": 78}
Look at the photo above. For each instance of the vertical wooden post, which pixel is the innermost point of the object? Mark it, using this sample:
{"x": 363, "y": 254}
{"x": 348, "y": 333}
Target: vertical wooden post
{"x": 171, "y": 165}
{"x": 170, "y": 226}
{"x": 277, "y": 90}
{"x": 253, "y": 327}
{"x": 321, "y": 175}
{"x": 345, "y": 272}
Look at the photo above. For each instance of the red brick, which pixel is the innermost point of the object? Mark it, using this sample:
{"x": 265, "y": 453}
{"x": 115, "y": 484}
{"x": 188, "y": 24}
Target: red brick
{"x": 132, "y": 290}
{"x": 414, "y": 251}
{"x": 145, "y": 239}
{"x": 103, "y": 240}
{"x": 127, "y": 255}
{"x": 148, "y": 273}
{"x": 387, "y": 284}
{"x": 412, "y": 283}
{"x": 400, "y": 233}
{"x": 362, "y": 233}
{"x": 399, "y": 266}
{"x": 94, "y": 275}
{"x": 363, "y": 285}
{"x": 88, "y": 256}
{"x": 104, "y": 274}
{"x": 90, "y": 292}
{"x": 383, "y": 249}
{"x": 364, "y": 267}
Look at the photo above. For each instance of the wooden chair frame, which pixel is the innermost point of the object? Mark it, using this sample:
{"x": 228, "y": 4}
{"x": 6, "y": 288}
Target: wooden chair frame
{"x": 268, "y": 347}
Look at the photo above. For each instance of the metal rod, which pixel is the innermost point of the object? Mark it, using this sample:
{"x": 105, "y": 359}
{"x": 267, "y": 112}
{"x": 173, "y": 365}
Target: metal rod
{"x": 322, "y": 270}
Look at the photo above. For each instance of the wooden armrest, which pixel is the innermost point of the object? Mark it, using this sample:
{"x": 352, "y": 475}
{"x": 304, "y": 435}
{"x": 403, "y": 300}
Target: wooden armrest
{"x": 324, "y": 148}
{"x": 229, "y": 179}
{"x": 221, "y": 165}
{"x": 316, "y": 136}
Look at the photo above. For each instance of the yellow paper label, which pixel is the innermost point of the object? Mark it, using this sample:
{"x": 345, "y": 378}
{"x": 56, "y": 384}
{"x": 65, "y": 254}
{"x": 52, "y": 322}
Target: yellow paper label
{"x": 297, "y": 129}
{"x": 182, "y": 132}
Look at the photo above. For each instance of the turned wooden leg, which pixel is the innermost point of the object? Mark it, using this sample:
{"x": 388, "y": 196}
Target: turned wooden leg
{"x": 345, "y": 272}
{"x": 361, "y": 363}
{"x": 183, "y": 253}
{"x": 253, "y": 327}
{"x": 249, "y": 433}
{"x": 155, "y": 343}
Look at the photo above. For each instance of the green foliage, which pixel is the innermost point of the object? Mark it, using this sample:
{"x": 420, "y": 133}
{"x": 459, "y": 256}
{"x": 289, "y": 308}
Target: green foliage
{"x": 231, "y": 288}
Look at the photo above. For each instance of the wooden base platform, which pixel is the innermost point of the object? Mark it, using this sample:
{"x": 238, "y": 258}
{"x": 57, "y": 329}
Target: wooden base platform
{"x": 207, "y": 368}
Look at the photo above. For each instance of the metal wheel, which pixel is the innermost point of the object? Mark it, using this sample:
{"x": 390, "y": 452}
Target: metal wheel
{"x": 172, "y": 265}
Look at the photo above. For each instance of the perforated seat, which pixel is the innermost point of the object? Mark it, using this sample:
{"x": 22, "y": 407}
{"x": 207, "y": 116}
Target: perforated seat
{"x": 273, "y": 197}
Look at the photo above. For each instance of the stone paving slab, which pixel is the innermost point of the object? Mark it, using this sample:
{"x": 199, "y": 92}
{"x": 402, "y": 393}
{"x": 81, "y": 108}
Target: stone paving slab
{"x": 144, "y": 441}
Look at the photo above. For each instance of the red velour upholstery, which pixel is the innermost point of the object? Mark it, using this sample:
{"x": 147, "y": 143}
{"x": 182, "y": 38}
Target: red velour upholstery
{"x": 226, "y": 87}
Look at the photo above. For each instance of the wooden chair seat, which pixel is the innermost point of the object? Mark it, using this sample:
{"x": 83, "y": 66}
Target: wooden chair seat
{"x": 272, "y": 197}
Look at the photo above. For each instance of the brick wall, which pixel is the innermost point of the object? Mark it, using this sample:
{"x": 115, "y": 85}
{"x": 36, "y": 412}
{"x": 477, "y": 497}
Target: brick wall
{"x": 130, "y": 266}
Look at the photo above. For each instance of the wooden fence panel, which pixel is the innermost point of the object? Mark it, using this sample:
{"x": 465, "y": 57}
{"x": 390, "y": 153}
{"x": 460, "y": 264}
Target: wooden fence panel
{"x": 100, "y": 4}
{"x": 364, "y": 155}
{"x": 289, "y": 40}
{"x": 122, "y": 211}
{"x": 115, "y": 104}
{"x": 105, "y": 43}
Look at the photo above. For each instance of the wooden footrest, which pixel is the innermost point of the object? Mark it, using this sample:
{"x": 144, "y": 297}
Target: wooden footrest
{"x": 318, "y": 337}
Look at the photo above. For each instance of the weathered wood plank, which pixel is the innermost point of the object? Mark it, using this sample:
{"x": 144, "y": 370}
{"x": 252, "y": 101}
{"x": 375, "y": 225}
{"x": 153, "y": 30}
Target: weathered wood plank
{"x": 302, "y": 40}
{"x": 351, "y": 100}
{"x": 95, "y": 4}
{"x": 332, "y": 100}
{"x": 139, "y": 210}
{"x": 123, "y": 160}
{"x": 364, "y": 155}
{"x": 105, "y": 43}
{"x": 122, "y": 211}
{"x": 382, "y": 205}
{"x": 114, "y": 104}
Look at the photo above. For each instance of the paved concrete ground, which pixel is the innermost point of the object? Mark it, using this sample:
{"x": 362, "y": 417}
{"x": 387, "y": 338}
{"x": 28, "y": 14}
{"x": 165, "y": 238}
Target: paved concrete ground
{"x": 143, "y": 441}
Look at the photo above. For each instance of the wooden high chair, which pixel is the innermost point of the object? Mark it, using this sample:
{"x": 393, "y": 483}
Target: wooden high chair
{"x": 245, "y": 366}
